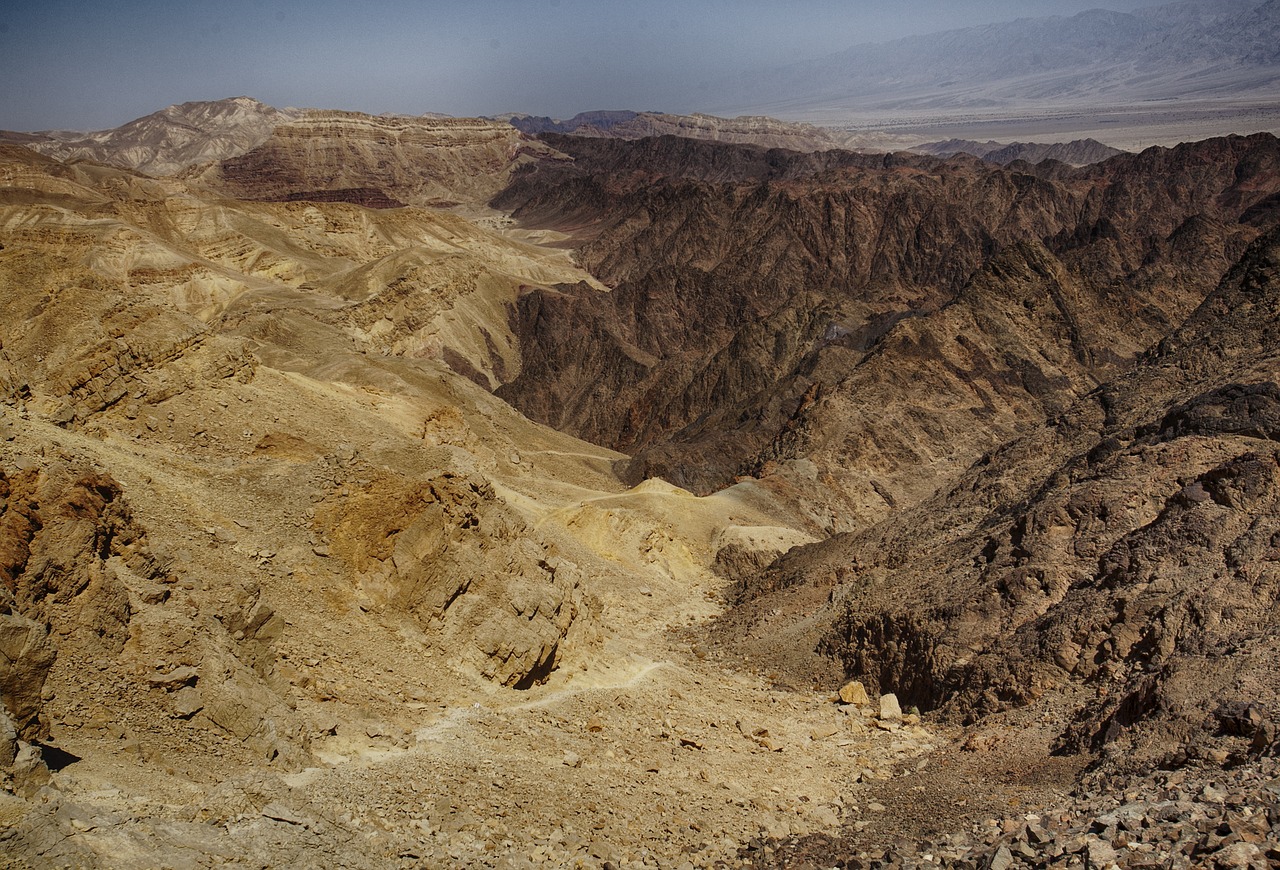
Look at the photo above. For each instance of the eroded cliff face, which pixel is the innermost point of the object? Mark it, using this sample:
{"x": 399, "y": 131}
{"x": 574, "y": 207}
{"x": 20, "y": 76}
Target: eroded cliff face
{"x": 859, "y": 327}
{"x": 377, "y": 161}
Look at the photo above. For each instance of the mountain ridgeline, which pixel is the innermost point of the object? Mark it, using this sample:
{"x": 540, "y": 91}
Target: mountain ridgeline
{"x": 1080, "y": 152}
{"x": 1224, "y": 49}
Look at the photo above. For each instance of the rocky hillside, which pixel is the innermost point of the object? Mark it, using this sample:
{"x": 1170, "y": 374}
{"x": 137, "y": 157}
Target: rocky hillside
{"x": 852, "y": 327}
{"x": 1118, "y": 560}
{"x": 282, "y": 580}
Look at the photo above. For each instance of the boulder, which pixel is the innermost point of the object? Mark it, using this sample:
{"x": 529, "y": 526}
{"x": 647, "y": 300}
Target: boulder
{"x": 26, "y": 655}
{"x": 853, "y": 692}
{"x": 890, "y": 710}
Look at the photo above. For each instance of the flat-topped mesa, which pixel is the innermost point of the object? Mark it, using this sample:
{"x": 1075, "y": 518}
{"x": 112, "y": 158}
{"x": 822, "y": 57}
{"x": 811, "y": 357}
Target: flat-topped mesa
{"x": 424, "y": 161}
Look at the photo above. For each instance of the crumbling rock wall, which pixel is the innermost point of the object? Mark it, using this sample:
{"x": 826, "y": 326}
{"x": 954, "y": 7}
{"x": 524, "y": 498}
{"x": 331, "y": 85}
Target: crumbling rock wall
{"x": 59, "y": 528}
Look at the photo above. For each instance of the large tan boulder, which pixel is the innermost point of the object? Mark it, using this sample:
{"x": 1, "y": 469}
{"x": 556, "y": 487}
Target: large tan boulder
{"x": 853, "y": 692}
{"x": 26, "y": 655}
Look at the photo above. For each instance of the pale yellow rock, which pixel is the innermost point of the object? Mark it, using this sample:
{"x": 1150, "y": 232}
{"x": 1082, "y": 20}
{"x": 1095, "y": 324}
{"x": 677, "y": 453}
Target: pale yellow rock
{"x": 853, "y": 692}
{"x": 890, "y": 710}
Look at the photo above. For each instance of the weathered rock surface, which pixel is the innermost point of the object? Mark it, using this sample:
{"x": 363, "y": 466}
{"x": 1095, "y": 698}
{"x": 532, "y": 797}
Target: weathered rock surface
{"x": 63, "y": 532}
{"x": 1125, "y": 550}
{"x": 449, "y": 551}
{"x": 25, "y": 659}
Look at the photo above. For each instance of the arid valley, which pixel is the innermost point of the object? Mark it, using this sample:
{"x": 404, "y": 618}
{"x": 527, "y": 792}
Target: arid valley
{"x": 651, "y": 489}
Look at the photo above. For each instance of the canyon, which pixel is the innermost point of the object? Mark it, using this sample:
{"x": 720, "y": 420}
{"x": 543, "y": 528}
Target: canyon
{"x": 380, "y": 490}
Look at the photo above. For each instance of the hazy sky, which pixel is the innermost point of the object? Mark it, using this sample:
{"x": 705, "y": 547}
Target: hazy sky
{"x": 92, "y": 65}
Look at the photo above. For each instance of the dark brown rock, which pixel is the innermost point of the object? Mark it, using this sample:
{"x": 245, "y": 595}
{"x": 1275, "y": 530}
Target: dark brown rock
{"x": 1137, "y": 528}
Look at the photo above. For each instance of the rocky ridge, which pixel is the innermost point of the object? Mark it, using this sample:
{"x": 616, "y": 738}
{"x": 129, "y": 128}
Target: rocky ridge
{"x": 1106, "y": 579}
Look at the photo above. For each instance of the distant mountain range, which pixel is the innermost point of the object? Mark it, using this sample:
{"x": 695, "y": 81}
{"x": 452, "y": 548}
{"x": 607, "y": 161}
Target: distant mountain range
{"x": 205, "y": 133}
{"x": 1228, "y": 48}
{"x": 1081, "y": 152}
{"x": 747, "y": 130}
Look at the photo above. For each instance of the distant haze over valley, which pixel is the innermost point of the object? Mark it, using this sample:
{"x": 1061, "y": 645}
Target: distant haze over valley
{"x": 924, "y": 71}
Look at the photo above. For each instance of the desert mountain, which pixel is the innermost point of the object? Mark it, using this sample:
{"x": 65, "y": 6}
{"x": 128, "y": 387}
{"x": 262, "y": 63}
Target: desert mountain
{"x": 167, "y": 141}
{"x": 1184, "y": 50}
{"x": 280, "y": 576}
{"x": 1120, "y": 556}
{"x": 801, "y": 317}
{"x": 1080, "y": 152}
{"x": 414, "y": 491}
{"x": 242, "y": 147}
{"x": 227, "y": 131}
